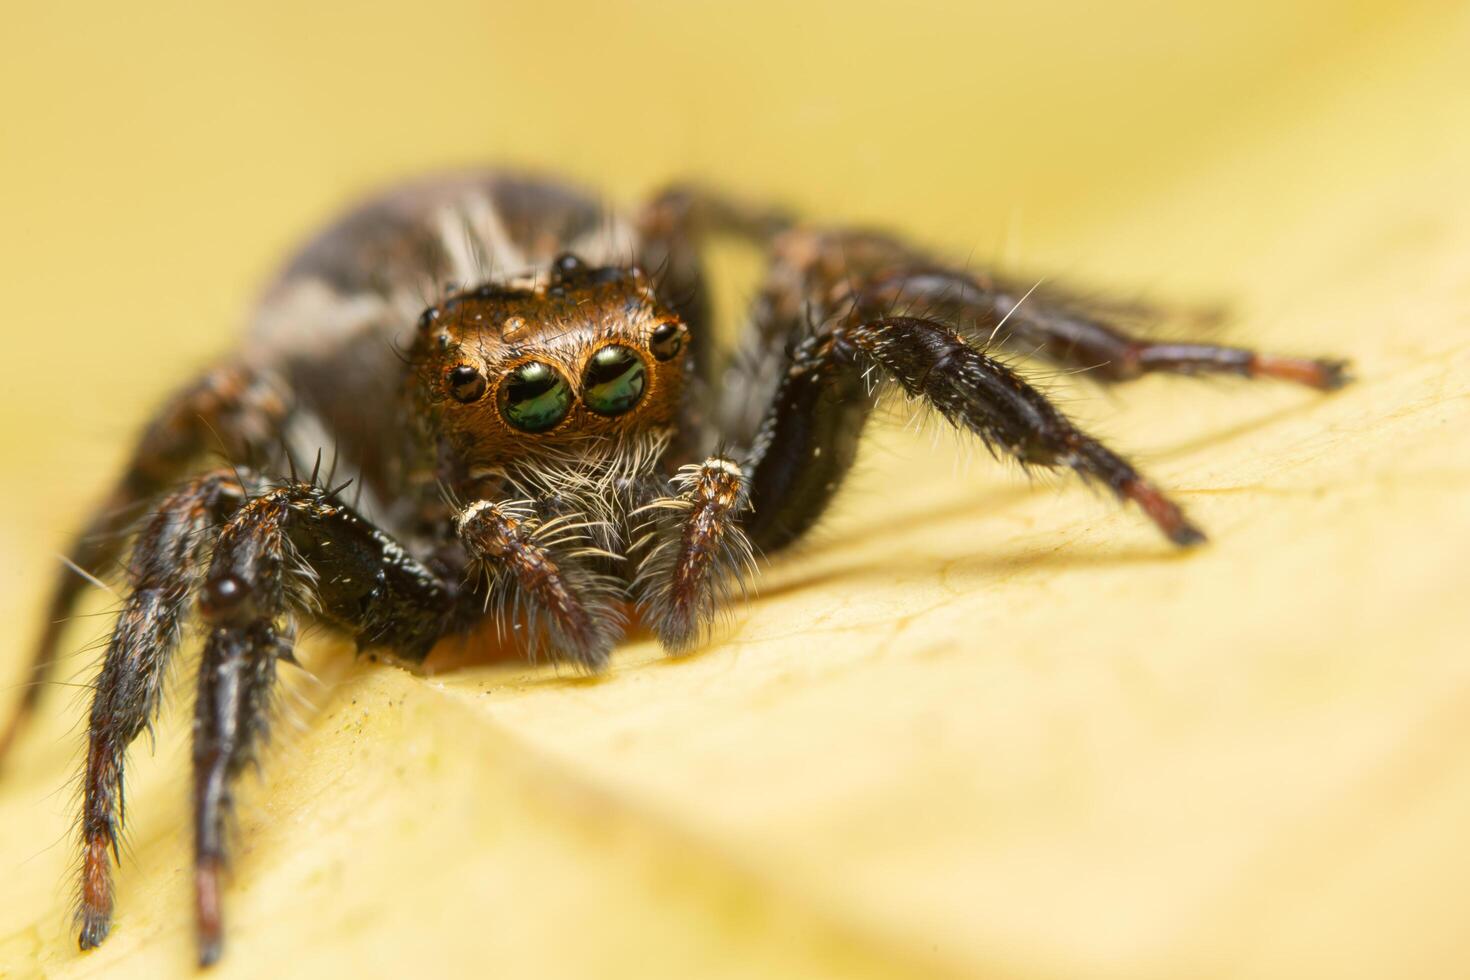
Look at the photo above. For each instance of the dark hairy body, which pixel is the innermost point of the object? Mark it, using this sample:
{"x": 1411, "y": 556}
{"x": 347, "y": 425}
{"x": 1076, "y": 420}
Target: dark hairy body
{"x": 523, "y": 394}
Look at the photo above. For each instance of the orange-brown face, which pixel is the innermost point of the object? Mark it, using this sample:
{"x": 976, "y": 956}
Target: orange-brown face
{"x": 591, "y": 353}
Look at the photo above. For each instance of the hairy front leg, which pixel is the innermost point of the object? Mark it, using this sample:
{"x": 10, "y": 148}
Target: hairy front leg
{"x": 166, "y": 565}
{"x": 231, "y": 410}
{"x": 975, "y": 391}
{"x": 809, "y": 439}
{"x": 292, "y": 548}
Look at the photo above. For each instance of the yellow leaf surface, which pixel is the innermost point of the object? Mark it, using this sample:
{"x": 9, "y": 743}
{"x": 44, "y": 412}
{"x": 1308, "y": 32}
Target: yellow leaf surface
{"x": 975, "y": 727}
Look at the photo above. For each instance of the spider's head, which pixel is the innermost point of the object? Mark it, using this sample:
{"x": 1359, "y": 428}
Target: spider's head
{"x": 587, "y": 353}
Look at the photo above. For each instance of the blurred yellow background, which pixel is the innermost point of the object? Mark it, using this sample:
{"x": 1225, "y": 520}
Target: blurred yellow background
{"x": 976, "y": 728}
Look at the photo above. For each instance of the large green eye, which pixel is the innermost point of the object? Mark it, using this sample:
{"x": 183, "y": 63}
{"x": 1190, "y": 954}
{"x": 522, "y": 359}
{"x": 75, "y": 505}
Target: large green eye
{"x": 613, "y": 381}
{"x": 535, "y": 397}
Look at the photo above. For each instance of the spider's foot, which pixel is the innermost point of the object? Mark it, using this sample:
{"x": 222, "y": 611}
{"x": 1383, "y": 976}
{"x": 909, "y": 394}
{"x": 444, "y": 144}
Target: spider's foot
{"x": 1321, "y": 373}
{"x": 1164, "y": 513}
{"x": 96, "y": 909}
{"x": 95, "y": 927}
{"x": 207, "y": 901}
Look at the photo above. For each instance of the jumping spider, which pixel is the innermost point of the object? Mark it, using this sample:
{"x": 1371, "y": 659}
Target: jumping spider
{"x": 553, "y": 438}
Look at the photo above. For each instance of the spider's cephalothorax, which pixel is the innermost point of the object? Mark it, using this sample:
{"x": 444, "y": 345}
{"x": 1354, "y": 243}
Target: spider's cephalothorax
{"x": 586, "y": 356}
{"x": 552, "y": 442}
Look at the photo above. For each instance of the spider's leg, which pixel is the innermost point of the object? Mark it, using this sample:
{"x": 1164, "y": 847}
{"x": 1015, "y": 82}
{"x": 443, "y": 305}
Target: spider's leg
{"x": 294, "y": 547}
{"x": 167, "y": 562}
{"x": 809, "y": 438}
{"x": 698, "y": 552}
{"x": 244, "y": 602}
{"x": 806, "y": 442}
{"x": 540, "y": 582}
{"x": 230, "y": 410}
{"x": 673, "y": 228}
{"x": 1075, "y": 332}
{"x": 236, "y": 677}
{"x": 977, "y": 392}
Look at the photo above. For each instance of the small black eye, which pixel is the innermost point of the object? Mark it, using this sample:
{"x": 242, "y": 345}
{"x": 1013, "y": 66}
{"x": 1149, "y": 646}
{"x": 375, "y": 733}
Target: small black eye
{"x": 466, "y": 384}
{"x": 567, "y": 266}
{"x": 667, "y": 341}
{"x": 535, "y": 397}
{"x": 613, "y": 381}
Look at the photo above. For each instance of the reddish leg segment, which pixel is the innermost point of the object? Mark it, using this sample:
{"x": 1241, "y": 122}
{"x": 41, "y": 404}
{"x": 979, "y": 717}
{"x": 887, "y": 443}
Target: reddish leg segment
{"x": 1071, "y": 331}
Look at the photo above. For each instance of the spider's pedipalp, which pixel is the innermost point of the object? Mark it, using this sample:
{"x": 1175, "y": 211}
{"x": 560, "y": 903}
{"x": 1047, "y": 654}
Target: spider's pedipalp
{"x": 699, "y": 555}
{"x": 545, "y": 588}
